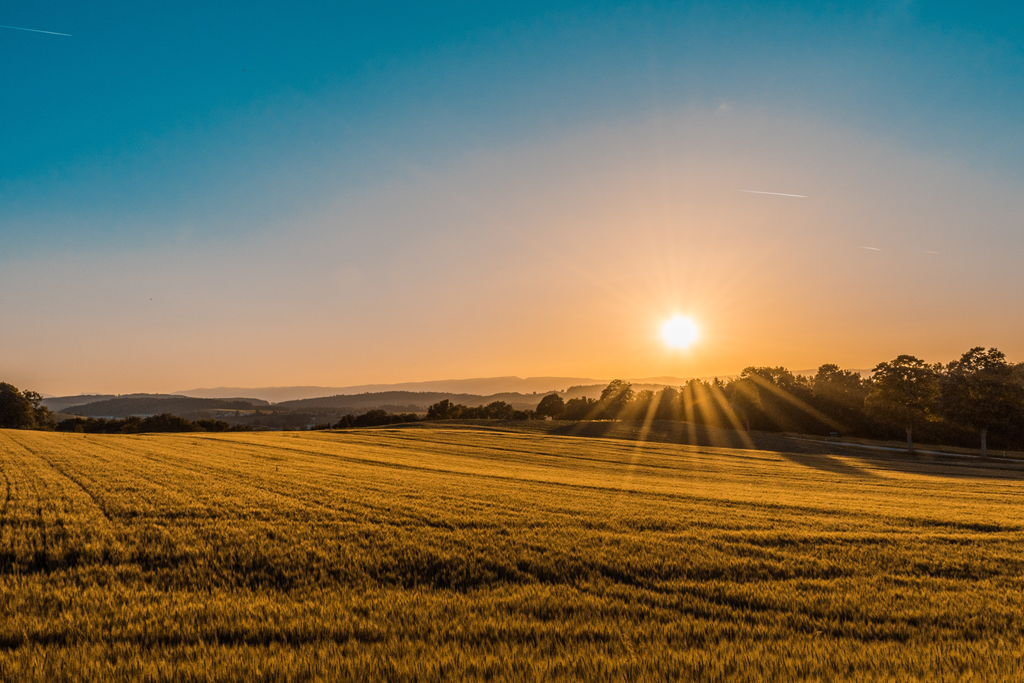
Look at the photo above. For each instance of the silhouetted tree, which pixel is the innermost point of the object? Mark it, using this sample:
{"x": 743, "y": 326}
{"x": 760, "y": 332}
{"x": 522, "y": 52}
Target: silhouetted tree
{"x": 373, "y": 418}
{"x": 787, "y": 401}
{"x": 840, "y": 394}
{"x": 581, "y": 408}
{"x": 165, "y": 422}
{"x": 979, "y": 391}
{"x": 139, "y": 425}
{"x": 614, "y": 398}
{"x": 769, "y": 409}
{"x": 668, "y": 404}
{"x": 213, "y": 425}
{"x": 904, "y": 391}
{"x": 779, "y": 376}
{"x": 694, "y": 400}
{"x": 640, "y": 407}
{"x": 551, "y": 406}
{"x": 745, "y": 399}
{"x": 499, "y": 410}
{"x": 843, "y": 387}
{"x": 22, "y": 409}
{"x": 443, "y": 410}
{"x": 15, "y": 410}
{"x": 129, "y": 425}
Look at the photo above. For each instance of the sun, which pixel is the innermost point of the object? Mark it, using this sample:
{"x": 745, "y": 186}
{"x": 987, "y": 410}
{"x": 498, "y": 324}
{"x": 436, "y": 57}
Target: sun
{"x": 679, "y": 332}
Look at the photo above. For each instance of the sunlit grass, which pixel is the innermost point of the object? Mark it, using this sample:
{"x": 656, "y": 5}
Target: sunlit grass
{"x": 447, "y": 554}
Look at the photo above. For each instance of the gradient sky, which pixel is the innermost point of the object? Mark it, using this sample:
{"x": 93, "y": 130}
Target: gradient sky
{"x": 264, "y": 194}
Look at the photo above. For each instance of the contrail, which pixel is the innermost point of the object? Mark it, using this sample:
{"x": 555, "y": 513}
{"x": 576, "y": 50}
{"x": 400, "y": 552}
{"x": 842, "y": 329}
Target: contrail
{"x": 779, "y": 194}
{"x": 872, "y": 248}
{"x": 35, "y": 30}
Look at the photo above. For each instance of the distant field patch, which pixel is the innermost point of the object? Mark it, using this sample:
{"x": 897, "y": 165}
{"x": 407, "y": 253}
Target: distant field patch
{"x": 443, "y": 554}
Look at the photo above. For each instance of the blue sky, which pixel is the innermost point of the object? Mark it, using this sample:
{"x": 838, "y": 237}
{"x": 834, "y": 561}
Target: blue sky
{"x": 195, "y": 129}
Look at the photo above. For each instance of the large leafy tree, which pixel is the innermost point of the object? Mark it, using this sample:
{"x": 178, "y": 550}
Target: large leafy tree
{"x": 745, "y": 399}
{"x": 840, "y": 395}
{"x": 15, "y": 410}
{"x": 615, "y": 397}
{"x": 499, "y": 410}
{"x": 980, "y": 391}
{"x": 580, "y": 408}
{"x": 444, "y": 410}
{"x": 904, "y": 391}
{"x": 779, "y": 376}
{"x": 551, "y": 406}
{"x": 842, "y": 387}
{"x": 785, "y": 401}
{"x": 22, "y": 409}
{"x": 641, "y": 407}
{"x": 668, "y": 404}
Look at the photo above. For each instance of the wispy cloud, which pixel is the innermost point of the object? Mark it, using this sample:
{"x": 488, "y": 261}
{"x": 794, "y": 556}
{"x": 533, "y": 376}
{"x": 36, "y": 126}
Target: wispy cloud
{"x": 872, "y": 248}
{"x": 778, "y": 194}
{"x": 35, "y": 30}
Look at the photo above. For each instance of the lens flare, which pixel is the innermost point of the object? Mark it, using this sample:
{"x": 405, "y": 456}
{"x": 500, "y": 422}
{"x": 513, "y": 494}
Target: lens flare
{"x": 679, "y": 332}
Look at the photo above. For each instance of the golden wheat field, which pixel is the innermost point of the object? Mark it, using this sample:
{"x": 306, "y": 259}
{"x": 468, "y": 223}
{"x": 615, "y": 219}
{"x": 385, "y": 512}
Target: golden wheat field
{"x": 443, "y": 554}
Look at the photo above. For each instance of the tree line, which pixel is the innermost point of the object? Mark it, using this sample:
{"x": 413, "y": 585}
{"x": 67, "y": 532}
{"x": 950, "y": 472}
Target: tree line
{"x": 497, "y": 410}
{"x": 23, "y": 410}
{"x": 967, "y": 400}
{"x": 442, "y": 410}
{"x": 165, "y": 422}
{"x": 976, "y": 399}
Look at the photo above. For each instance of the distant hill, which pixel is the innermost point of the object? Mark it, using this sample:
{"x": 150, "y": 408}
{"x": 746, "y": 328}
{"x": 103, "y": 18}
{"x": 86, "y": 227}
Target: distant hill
{"x": 125, "y": 406}
{"x": 57, "y": 404}
{"x": 407, "y": 401}
{"x": 271, "y": 394}
{"x": 488, "y": 386}
{"x": 516, "y": 390}
{"x": 347, "y": 399}
{"x": 419, "y": 401}
{"x": 483, "y": 386}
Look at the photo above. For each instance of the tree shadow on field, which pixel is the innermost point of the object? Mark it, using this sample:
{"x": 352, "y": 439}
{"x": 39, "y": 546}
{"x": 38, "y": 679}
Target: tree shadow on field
{"x": 816, "y": 452}
{"x": 827, "y": 463}
{"x": 949, "y": 467}
{"x": 655, "y": 432}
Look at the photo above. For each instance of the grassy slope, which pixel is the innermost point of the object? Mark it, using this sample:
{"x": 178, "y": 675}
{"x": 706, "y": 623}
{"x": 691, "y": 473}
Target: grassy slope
{"x": 699, "y": 435}
{"x": 444, "y": 554}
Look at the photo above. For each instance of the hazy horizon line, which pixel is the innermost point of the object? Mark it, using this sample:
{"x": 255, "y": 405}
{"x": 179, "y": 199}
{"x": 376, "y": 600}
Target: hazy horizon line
{"x": 563, "y": 383}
